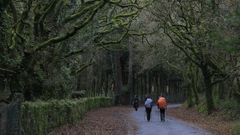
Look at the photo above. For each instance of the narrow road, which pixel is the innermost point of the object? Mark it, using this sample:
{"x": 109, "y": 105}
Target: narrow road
{"x": 171, "y": 126}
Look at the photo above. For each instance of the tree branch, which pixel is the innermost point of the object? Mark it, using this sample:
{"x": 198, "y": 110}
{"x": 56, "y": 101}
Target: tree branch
{"x": 86, "y": 7}
{"x": 118, "y": 3}
{"x": 84, "y": 66}
{"x": 14, "y": 11}
{"x": 182, "y": 49}
{"x": 68, "y": 34}
{"x": 74, "y": 53}
{"x": 113, "y": 42}
{"x": 220, "y": 80}
{"x": 46, "y": 12}
{"x": 7, "y": 70}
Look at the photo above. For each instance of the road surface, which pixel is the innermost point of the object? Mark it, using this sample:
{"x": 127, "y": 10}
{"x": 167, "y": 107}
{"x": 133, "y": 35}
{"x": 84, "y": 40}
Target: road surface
{"x": 171, "y": 126}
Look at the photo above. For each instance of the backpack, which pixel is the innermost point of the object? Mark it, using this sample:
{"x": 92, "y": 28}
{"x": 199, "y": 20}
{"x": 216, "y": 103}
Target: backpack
{"x": 162, "y": 103}
{"x": 148, "y": 103}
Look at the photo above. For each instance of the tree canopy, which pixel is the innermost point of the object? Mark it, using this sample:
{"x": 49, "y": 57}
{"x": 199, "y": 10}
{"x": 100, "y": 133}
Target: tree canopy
{"x": 52, "y": 48}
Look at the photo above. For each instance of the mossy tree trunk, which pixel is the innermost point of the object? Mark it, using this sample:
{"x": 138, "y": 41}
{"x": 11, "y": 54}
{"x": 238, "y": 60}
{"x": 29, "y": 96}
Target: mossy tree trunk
{"x": 208, "y": 88}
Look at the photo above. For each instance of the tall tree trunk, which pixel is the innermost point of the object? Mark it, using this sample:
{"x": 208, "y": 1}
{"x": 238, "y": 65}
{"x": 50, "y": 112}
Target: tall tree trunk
{"x": 3, "y": 42}
{"x": 106, "y": 85}
{"x": 145, "y": 84}
{"x": 189, "y": 96}
{"x": 156, "y": 84}
{"x": 221, "y": 90}
{"x": 195, "y": 86}
{"x": 208, "y": 89}
{"x": 141, "y": 86}
{"x": 2, "y": 37}
{"x": 134, "y": 84}
{"x": 27, "y": 76}
{"x": 193, "y": 76}
{"x": 130, "y": 71}
{"x": 117, "y": 73}
{"x": 148, "y": 83}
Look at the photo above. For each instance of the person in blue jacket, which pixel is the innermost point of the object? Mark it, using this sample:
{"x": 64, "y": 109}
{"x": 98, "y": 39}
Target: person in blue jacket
{"x": 148, "y": 107}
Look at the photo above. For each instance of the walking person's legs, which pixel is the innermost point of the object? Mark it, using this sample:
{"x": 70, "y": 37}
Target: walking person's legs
{"x": 135, "y": 106}
{"x": 162, "y": 114}
{"x": 148, "y": 111}
{"x": 159, "y": 112}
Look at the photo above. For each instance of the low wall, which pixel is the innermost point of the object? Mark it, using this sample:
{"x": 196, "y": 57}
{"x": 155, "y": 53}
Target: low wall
{"x": 39, "y": 118}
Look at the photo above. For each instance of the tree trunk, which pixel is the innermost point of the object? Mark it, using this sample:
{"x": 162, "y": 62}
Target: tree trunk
{"x": 221, "y": 90}
{"x": 145, "y": 84}
{"x": 117, "y": 71}
{"x": 134, "y": 83}
{"x": 194, "y": 75}
{"x": 195, "y": 92}
{"x": 141, "y": 86}
{"x": 189, "y": 97}
{"x": 208, "y": 89}
{"x": 148, "y": 83}
{"x": 195, "y": 95}
{"x": 2, "y": 34}
{"x": 130, "y": 71}
{"x": 156, "y": 84}
{"x": 106, "y": 85}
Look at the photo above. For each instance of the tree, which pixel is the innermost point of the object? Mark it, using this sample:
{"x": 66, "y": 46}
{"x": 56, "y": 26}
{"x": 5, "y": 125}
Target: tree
{"x": 190, "y": 25}
{"x": 39, "y": 34}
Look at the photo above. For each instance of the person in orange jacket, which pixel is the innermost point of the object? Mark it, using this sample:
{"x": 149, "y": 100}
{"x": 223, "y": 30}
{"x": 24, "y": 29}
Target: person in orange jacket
{"x": 162, "y": 105}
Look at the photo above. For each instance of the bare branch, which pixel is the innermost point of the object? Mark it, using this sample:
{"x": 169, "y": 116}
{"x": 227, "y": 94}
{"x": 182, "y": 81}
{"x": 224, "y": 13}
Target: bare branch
{"x": 182, "y": 49}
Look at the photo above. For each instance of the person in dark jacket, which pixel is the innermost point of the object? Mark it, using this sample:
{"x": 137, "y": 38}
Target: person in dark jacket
{"x": 135, "y": 102}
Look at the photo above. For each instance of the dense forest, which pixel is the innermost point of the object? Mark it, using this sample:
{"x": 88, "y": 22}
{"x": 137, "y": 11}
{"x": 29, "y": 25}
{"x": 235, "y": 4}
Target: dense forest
{"x": 58, "y": 49}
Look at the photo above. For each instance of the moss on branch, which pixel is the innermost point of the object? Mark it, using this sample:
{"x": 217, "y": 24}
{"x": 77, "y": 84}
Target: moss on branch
{"x": 86, "y": 7}
{"x": 70, "y": 33}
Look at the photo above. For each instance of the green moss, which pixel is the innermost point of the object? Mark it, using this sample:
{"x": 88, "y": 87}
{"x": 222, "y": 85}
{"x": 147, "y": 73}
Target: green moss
{"x": 202, "y": 108}
{"x": 43, "y": 116}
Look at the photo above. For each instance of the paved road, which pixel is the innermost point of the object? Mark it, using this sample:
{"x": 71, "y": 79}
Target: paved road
{"x": 171, "y": 126}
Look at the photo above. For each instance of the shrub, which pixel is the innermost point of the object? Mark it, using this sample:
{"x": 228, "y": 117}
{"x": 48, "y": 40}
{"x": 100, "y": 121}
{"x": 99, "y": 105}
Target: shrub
{"x": 231, "y": 108}
{"x": 41, "y": 117}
